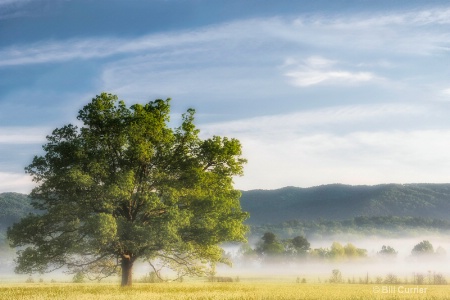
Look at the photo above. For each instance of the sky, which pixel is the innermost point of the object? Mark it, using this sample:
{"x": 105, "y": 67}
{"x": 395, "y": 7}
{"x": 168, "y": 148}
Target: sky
{"x": 318, "y": 92}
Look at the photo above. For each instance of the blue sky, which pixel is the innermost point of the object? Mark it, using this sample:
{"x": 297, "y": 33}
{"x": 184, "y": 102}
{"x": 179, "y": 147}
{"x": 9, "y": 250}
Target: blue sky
{"x": 318, "y": 92}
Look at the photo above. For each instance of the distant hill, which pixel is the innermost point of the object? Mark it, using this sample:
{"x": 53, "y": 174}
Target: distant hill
{"x": 342, "y": 202}
{"x": 335, "y": 202}
{"x": 13, "y": 206}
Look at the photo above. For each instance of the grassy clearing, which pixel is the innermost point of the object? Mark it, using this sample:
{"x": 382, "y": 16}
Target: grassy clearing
{"x": 217, "y": 291}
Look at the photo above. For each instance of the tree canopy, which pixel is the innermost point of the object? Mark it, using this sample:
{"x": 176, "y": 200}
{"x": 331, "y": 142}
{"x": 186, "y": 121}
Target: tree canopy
{"x": 125, "y": 186}
{"x": 387, "y": 251}
{"x": 270, "y": 246}
{"x": 423, "y": 248}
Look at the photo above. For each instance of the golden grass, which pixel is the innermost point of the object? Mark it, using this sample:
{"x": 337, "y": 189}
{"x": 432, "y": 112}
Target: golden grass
{"x": 216, "y": 291}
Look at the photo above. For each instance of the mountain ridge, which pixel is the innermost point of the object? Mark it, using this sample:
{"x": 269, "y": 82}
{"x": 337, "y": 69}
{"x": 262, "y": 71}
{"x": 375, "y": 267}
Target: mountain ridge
{"x": 339, "y": 202}
{"x": 329, "y": 202}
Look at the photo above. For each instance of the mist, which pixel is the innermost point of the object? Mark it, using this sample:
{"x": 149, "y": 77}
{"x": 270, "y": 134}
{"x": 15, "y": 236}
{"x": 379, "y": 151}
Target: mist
{"x": 405, "y": 266}
{"x": 373, "y": 267}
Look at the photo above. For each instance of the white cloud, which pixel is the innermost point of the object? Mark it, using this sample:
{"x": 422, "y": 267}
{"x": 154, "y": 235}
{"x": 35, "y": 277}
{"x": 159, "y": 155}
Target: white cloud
{"x": 11, "y": 182}
{"x": 318, "y": 70}
{"x": 23, "y": 135}
{"x": 355, "y": 158}
{"x": 312, "y": 77}
{"x": 319, "y": 62}
{"x": 298, "y": 149}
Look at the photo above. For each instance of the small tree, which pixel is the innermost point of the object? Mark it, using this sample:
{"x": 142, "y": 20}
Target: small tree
{"x": 78, "y": 277}
{"x": 336, "y": 276}
{"x": 351, "y": 251}
{"x": 337, "y": 251}
{"x": 299, "y": 245}
{"x": 391, "y": 279}
{"x": 269, "y": 238}
{"x": 419, "y": 279}
{"x": 247, "y": 253}
{"x": 270, "y": 246}
{"x": 126, "y": 186}
{"x": 423, "y": 248}
{"x": 441, "y": 252}
{"x": 387, "y": 251}
{"x": 320, "y": 253}
{"x": 438, "y": 278}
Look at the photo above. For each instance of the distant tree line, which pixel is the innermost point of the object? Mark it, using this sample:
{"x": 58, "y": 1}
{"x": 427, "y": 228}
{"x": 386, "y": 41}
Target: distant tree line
{"x": 271, "y": 248}
{"x": 390, "y": 278}
{"x": 382, "y": 225}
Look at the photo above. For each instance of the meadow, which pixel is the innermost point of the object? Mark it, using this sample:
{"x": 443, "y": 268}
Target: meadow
{"x": 220, "y": 291}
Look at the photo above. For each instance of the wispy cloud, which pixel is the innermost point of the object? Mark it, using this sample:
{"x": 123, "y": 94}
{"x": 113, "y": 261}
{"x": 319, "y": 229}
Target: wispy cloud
{"x": 23, "y": 135}
{"x": 387, "y": 33}
{"x": 309, "y": 76}
{"x": 87, "y": 48}
{"x": 319, "y": 70}
{"x": 438, "y": 15}
{"x": 250, "y": 67}
{"x": 284, "y": 125}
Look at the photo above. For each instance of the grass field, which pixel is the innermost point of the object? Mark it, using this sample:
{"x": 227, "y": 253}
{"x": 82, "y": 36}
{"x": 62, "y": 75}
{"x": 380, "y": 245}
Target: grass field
{"x": 219, "y": 291}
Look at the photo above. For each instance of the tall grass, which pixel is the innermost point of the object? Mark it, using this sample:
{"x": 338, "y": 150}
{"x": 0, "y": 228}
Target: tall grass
{"x": 217, "y": 291}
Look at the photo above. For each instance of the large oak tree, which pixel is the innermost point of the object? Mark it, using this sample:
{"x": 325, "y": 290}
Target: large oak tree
{"x": 126, "y": 186}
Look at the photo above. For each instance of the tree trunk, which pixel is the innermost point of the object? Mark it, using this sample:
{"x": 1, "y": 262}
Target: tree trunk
{"x": 127, "y": 270}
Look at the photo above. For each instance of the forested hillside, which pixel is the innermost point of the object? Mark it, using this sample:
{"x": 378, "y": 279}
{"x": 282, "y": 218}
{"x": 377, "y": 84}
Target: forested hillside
{"x": 13, "y": 206}
{"x": 324, "y": 209}
{"x": 344, "y": 202}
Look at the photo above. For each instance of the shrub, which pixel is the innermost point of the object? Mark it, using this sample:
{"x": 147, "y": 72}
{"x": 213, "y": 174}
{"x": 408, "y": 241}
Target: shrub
{"x": 78, "y": 278}
{"x": 336, "y": 276}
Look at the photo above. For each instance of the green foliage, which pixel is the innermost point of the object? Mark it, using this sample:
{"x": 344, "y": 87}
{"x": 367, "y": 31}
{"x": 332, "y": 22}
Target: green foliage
{"x": 423, "y": 248}
{"x": 78, "y": 277}
{"x": 13, "y": 207}
{"x": 299, "y": 247}
{"x": 248, "y": 253}
{"x": 387, "y": 251}
{"x": 337, "y": 252}
{"x": 126, "y": 186}
{"x": 296, "y": 247}
{"x": 319, "y": 253}
{"x": 300, "y": 243}
{"x": 269, "y": 238}
{"x": 270, "y": 246}
{"x": 385, "y": 226}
